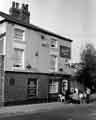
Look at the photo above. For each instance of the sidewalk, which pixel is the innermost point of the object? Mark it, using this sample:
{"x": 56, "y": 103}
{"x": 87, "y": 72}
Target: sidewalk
{"x": 27, "y": 109}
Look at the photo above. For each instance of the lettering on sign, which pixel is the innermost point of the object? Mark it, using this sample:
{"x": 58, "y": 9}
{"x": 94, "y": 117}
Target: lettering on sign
{"x": 65, "y": 51}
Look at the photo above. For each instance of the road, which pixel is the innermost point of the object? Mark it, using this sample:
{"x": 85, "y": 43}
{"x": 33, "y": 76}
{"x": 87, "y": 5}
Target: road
{"x": 62, "y": 112}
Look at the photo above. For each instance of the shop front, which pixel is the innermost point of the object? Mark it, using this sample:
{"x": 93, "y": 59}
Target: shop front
{"x": 57, "y": 85}
{"x": 33, "y": 87}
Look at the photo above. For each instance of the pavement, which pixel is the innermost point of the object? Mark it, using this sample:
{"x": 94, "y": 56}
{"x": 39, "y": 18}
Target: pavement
{"x": 28, "y": 109}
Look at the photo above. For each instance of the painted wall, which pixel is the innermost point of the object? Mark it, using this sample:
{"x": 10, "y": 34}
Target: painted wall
{"x": 32, "y": 46}
{"x": 19, "y": 91}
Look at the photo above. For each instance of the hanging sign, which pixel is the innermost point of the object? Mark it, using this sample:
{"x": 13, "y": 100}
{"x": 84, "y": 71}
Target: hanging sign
{"x": 65, "y": 51}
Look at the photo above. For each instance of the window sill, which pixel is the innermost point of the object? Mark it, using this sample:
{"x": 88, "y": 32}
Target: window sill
{"x": 18, "y": 68}
{"x": 21, "y": 41}
{"x": 50, "y": 70}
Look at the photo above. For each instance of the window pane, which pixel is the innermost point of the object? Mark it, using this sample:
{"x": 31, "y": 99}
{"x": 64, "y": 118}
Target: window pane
{"x": 53, "y": 62}
{"x": 53, "y": 43}
{"x": 53, "y": 86}
{"x": 18, "y": 57}
{"x": 1, "y": 46}
{"x": 12, "y": 81}
{"x": 18, "y": 34}
{"x": 32, "y": 87}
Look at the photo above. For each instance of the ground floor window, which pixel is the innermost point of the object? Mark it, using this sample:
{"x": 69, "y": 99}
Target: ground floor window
{"x": 12, "y": 82}
{"x": 32, "y": 87}
{"x": 53, "y": 86}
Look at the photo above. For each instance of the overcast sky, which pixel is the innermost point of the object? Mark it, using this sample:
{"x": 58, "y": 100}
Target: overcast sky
{"x": 75, "y": 19}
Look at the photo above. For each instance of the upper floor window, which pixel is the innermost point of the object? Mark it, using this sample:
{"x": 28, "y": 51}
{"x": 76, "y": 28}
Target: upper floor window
{"x": 19, "y": 34}
{"x": 53, "y": 63}
{"x": 18, "y": 57}
{"x": 54, "y": 43}
{"x": 1, "y": 45}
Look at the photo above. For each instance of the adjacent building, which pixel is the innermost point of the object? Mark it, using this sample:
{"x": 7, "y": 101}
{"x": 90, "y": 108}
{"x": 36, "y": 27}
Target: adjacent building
{"x": 32, "y": 60}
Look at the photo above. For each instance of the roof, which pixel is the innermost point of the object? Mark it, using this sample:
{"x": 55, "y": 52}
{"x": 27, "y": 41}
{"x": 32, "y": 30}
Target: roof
{"x": 9, "y": 18}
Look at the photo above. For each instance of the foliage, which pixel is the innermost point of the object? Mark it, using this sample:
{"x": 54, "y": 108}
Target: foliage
{"x": 87, "y": 73}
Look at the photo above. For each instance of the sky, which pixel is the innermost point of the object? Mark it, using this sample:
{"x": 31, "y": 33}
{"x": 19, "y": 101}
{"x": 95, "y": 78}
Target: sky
{"x": 74, "y": 19}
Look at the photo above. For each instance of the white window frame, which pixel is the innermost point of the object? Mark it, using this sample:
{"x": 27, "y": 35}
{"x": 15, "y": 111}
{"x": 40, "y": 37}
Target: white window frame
{"x": 52, "y": 85}
{"x": 22, "y": 66}
{"x": 22, "y": 34}
{"x": 2, "y": 39}
{"x": 54, "y": 45}
{"x": 22, "y": 29}
{"x": 56, "y": 64}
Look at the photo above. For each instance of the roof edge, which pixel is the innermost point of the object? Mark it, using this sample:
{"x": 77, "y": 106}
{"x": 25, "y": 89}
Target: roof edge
{"x": 31, "y": 26}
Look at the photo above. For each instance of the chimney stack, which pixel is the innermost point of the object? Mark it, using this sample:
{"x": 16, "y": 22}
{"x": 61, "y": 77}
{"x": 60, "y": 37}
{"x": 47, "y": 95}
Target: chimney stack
{"x": 20, "y": 13}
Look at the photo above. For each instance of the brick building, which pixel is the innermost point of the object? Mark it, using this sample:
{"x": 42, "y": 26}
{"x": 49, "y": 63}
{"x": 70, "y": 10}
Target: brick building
{"x": 34, "y": 59}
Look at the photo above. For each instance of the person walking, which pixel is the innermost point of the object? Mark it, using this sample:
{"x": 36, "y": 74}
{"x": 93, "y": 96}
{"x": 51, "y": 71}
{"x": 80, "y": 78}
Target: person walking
{"x": 84, "y": 97}
{"x": 81, "y": 97}
{"x": 88, "y": 91}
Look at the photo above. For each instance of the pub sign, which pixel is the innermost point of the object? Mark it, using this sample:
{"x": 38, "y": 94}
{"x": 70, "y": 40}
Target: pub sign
{"x": 65, "y": 51}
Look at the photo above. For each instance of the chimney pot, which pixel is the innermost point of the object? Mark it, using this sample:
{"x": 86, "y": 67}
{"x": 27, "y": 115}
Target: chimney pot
{"x": 21, "y": 13}
{"x": 23, "y": 6}
{"x": 27, "y": 7}
{"x": 13, "y": 4}
{"x": 17, "y": 5}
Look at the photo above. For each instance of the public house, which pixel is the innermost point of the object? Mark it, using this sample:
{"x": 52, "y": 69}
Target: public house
{"x": 33, "y": 61}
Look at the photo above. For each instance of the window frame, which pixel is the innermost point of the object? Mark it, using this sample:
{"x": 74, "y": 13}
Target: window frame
{"x": 28, "y": 87}
{"x": 16, "y": 65}
{"x": 52, "y": 84}
{"x": 53, "y": 45}
{"x": 12, "y": 82}
{"x": 56, "y": 64}
{"x": 3, "y": 39}
{"x": 22, "y": 29}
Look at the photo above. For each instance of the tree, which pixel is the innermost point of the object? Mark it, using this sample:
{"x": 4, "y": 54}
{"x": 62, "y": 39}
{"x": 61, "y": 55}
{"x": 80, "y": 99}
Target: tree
{"x": 87, "y": 72}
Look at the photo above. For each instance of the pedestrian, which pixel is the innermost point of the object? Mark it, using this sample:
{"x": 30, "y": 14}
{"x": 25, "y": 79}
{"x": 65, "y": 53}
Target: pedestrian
{"x": 84, "y": 97}
{"x": 81, "y": 97}
{"x": 88, "y": 91}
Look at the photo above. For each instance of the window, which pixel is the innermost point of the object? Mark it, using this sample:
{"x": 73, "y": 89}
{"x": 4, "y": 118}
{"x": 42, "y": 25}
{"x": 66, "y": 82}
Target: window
{"x": 44, "y": 41}
{"x": 1, "y": 45}
{"x": 32, "y": 87}
{"x": 53, "y": 63}
{"x": 53, "y": 86}
{"x": 53, "y": 43}
{"x": 12, "y": 82}
{"x": 19, "y": 34}
{"x": 18, "y": 57}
